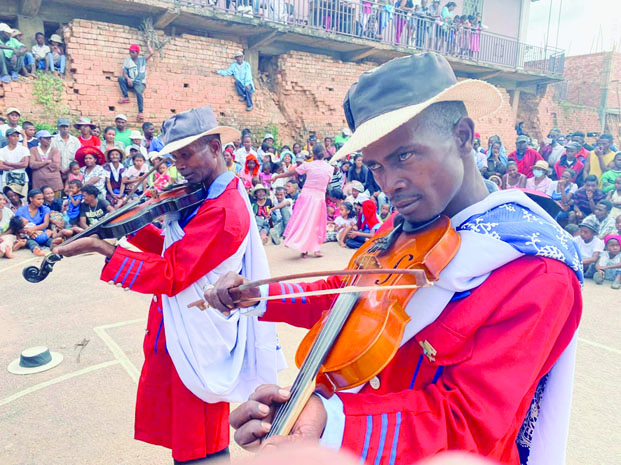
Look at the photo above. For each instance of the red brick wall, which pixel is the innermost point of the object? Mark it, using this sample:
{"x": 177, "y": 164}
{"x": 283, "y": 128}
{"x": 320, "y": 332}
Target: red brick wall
{"x": 501, "y": 123}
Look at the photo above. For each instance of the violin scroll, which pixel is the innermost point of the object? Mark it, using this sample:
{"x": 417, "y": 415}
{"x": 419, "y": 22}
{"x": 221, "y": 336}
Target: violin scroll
{"x": 34, "y": 274}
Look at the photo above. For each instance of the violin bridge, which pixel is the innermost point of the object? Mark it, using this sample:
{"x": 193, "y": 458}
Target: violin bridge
{"x": 368, "y": 262}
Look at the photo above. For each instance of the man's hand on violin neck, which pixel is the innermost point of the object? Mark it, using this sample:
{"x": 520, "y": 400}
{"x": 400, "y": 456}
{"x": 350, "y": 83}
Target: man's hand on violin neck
{"x": 224, "y": 295}
{"x": 85, "y": 245}
{"x": 252, "y": 420}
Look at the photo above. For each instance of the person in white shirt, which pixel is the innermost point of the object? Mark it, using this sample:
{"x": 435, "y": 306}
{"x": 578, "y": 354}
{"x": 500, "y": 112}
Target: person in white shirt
{"x": 590, "y": 245}
{"x": 66, "y": 144}
{"x": 12, "y": 115}
{"x": 245, "y": 150}
{"x": 13, "y": 162}
{"x": 40, "y": 51}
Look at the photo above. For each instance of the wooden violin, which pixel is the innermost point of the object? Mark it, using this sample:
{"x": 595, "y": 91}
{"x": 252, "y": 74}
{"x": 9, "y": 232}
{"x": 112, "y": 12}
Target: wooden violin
{"x": 357, "y": 338}
{"x": 126, "y": 220}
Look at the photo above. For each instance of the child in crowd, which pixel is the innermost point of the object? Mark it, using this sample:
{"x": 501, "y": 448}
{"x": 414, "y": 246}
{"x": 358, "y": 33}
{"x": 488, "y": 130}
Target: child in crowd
{"x": 331, "y": 213}
{"x": 573, "y": 229}
{"x": 590, "y": 245}
{"x": 56, "y": 58}
{"x": 40, "y": 51}
{"x": 265, "y": 176}
{"x": 133, "y": 175}
{"x": 280, "y": 214}
{"x": 261, "y": 207}
{"x": 73, "y": 202}
{"x": 384, "y": 213}
{"x": 345, "y": 220}
{"x": 610, "y": 176}
{"x": 13, "y": 238}
{"x": 114, "y": 171}
{"x": 251, "y": 169}
{"x": 50, "y": 201}
{"x": 161, "y": 179}
{"x": 608, "y": 267}
{"x": 74, "y": 175}
{"x": 614, "y": 197}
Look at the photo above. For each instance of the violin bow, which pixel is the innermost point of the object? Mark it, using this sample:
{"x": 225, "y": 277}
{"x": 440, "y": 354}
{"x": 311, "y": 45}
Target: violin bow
{"x": 421, "y": 281}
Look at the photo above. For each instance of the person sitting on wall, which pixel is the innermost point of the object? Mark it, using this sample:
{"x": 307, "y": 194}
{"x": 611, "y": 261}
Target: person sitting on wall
{"x": 26, "y": 58}
{"x": 241, "y": 72}
{"x": 56, "y": 59}
{"x": 12, "y": 58}
{"x": 134, "y": 76}
{"x": 40, "y": 52}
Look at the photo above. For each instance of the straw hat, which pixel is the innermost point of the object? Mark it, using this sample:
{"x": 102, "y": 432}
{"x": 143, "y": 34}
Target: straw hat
{"x": 258, "y": 187}
{"x": 15, "y": 188}
{"x": 181, "y": 130}
{"x": 541, "y": 164}
{"x": 392, "y": 94}
{"x": 34, "y": 360}
{"x": 115, "y": 149}
{"x": 56, "y": 38}
{"x": 84, "y": 121}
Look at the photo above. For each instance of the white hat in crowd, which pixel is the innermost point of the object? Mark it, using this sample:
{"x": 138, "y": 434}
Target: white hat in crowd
{"x": 121, "y": 116}
{"x": 135, "y": 135}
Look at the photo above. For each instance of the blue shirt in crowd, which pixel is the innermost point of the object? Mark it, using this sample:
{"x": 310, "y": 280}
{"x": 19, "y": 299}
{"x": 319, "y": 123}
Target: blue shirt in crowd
{"x": 242, "y": 73}
{"x": 73, "y": 211}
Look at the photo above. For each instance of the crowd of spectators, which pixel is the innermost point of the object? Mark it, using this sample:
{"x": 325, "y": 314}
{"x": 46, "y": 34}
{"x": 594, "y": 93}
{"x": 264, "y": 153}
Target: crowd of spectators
{"x": 64, "y": 182}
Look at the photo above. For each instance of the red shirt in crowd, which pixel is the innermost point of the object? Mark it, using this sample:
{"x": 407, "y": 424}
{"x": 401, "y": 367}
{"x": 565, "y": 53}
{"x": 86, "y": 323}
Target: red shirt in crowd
{"x": 91, "y": 141}
{"x": 525, "y": 164}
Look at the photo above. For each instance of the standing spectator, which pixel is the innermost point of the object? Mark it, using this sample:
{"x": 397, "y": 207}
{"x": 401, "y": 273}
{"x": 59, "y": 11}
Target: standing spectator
{"x": 137, "y": 143}
{"x": 40, "y": 52}
{"x": 12, "y": 115}
{"x": 57, "y": 60}
{"x": 14, "y": 196}
{"x": 13, "y": 161}
{"x": 524, "y": 156}
{"x": 540, "y": 180}
{"x": 570, "y": 160}
{"x": 609, "y": 177}
{"x": 45, "y": 164}
{"x": 600, "y": 157}
{"x": 268, "y": 141}
{"x": 91, "y": 161}
{"x": 587, "y": 197}
{"x": 134, "y": 76}
{"x": 306, "y": 230}
{"x": 148, "y": 129}
{"x": 513, "y": 178}
{"x": 93, "y": 208}
{"x": 12, "y": 58}
{"x": 330, "y": 148}
{"x": 109, "y": 142}
{"x": 230, "y": 163}
{"x": 122, "y": 131}
{"x": 114, "y": 175}
{"x": 28, "y": 135}
{"x": 251, "y": 170}
{"x": 242, "y": 153}
{"x": 86, "y": 138}
{"x": 242, "y": 73}
{"x": 66, "y": 144}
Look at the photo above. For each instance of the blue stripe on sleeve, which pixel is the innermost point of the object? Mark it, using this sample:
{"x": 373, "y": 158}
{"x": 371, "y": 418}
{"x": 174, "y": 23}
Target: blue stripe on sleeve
{"x": 437, "y": 375}
{"x": 380, "y": 447}
{"x": 367, "y": 439}
{"x": 136, "y": 275}
{"x": 300, "y": 290}
{"x": 395, "y": 440}
{"x": 120, "y": 269}
{"x": 282, "y": 292}
{"x": 420, "y": 360}
{"x": 129, "y": 269}
{"x": 157, "y": 336}
{"x": 290, "y": 289}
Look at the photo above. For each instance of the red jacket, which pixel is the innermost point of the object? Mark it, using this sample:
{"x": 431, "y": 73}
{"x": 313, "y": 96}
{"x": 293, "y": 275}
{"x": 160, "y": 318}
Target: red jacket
{"x": 493, "y": 346}
{"x": 525, "y": 165}
{"x": 167, "y": 413}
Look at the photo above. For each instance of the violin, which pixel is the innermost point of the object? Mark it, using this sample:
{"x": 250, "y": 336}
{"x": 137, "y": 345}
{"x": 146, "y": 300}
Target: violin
{"x": 126, "y": 220}
{"x": 357, "y": 338}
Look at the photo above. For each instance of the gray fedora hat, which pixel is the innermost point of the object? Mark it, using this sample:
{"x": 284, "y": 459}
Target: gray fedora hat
{"x": 183, "y": 129}
{"x": 392, "y": 94}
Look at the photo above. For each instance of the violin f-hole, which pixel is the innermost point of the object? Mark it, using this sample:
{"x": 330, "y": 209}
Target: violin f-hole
{"x": 408, "y": 257}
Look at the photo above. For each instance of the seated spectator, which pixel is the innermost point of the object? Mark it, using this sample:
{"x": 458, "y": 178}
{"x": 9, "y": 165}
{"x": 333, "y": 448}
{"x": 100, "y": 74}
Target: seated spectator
{"x": 12, "y": 58}
{"x": 569, "y": 160}
{"x": 74, "y": 200}
{"x": 589, "y": 245}
{"x": 137, "y": 143}
{"x": 229, "y": 160}
{"x": 13, "y": 238}
{"x": 28, "y": 135}
{"x": 91, "y": 161}
{"x": 27, "y": 60}
{"x": 148, "y": 129}
{"x": 291, "y": 189}
{"x": 134, "y": 176}
{"x": 384, "y": 213}
{"x": 614, "y": 197}
{"x": 280, "y": 214}
{"x": 14, "y": 196}
{"x": 122, "y": 131}
{"x": 109, "y": 142}
{"x": 5, "y": 213}
{"x": 13, "y": 162}
{"x": 40, "y": 52}
{"x": 479, "y": 154}
{"x": 261, "y": 206}
{"x": 587, "y": 197}
{"x": 75, "y": 174}
{"x": 524, "y": 156}
{"x": 265, "y": 176}
{"x": 12, "y": 115}
{"x": 36, "y": 221}
{"x": 496, "y": 160}
{"x": 268, "y": 142}
{"x": 366, "y": 226}
{"x": 66, "y": 144}
{"x": 56, "y": 59}
{"x": 513, "y": 178}
{"x": 358, "y": 194}
{"x": 562, "y": 192}
{"x": 609, "y": 177}
{"x": 608, "y": 267}
{"x": 86, "y": 138}
{"x": 114, "y": 176}
{"x": 161, "y": 179}
{"x": 251, "y": 170}
{"x": 343, "y": 223}
{"x": 45, "y": 164}
{"x": 540, "y": 180}
{"x": 242, "y": 75}
{"x": 134, "y": 76}
{"x": 50, "y": 200}
{"x": 601, "y": 214}
{"x": 93, "y": 207}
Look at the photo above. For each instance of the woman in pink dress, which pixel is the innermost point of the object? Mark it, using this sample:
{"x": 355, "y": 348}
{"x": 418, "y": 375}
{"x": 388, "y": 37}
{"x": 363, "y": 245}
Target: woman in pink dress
{"x": 306, "y": 230}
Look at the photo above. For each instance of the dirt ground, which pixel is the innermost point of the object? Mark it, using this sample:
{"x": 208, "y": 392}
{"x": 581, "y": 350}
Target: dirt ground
{"x": 81, "y": 412}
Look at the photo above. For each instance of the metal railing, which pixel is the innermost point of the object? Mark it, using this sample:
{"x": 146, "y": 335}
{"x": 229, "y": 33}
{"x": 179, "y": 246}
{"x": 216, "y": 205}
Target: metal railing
{"x": 387, "y": 24}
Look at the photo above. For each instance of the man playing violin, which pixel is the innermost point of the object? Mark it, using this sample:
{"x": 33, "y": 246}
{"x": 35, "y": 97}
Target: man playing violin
{"x": 195, "y": 362}
{"x": 486, "y": 361}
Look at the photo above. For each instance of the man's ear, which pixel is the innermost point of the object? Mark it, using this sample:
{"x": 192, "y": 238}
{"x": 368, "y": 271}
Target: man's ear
{"x": 215, "y": 146}
{"x": 464, "y": 133}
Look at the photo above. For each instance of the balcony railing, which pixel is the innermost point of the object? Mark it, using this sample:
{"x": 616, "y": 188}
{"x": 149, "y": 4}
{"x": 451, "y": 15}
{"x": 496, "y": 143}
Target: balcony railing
{"x": 386, "y": 24}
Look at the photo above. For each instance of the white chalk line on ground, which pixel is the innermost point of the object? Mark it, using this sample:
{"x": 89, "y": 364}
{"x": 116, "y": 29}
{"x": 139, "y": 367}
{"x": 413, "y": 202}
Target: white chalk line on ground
{"x": 118, "y": 353}
{"x": 600, "y": 346}
{"x": 23, "y": 262}
{"x": 53, "y": 381}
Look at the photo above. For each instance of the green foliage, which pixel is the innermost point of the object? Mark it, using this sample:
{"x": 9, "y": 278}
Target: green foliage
{"x": 48, "y": 91}
{"x": 42, "y": 126}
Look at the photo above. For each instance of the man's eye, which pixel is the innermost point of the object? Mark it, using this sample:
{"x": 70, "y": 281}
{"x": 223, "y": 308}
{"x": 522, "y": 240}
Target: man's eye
{"x": 373, "y": 166}
{"x": 405, "y": 156}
